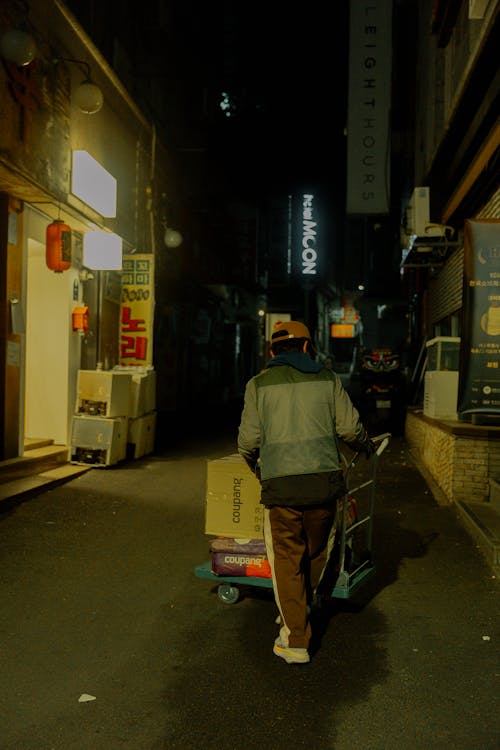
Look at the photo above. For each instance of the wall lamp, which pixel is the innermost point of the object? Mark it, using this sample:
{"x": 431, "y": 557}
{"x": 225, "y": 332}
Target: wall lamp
{"x": 172, "y": 238}
{"x": 18, "y": 46}
{"x": 88, "y": 96}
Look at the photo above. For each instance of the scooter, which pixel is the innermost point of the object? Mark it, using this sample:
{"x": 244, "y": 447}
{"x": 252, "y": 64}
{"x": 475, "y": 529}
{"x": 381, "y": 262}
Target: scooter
{"x": 383, "y": 401}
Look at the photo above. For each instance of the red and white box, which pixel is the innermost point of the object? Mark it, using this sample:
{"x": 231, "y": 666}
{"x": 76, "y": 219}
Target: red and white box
{"x": 239, "y": 557}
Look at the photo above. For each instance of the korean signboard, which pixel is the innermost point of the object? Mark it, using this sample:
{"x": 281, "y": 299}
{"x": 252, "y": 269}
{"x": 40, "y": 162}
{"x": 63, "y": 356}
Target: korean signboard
{"x": 479, "y": 386}
{"x": 137, "y": 310}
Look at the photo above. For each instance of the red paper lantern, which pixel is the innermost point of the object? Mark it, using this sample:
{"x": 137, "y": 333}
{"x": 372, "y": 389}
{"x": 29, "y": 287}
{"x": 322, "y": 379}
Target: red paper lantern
{"x": 58, "y": 246}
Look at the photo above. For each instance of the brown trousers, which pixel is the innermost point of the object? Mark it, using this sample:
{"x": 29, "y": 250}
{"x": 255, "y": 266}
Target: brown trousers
{"x": 296, "y": 544}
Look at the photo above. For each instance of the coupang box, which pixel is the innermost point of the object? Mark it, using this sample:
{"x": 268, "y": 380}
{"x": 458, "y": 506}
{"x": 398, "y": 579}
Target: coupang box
{"x": 233, "y": 506}
{"x": 239, "y": 557}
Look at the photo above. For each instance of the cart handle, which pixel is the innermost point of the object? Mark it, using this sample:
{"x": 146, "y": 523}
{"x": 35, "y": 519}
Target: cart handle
{"x": 383, "y": 440}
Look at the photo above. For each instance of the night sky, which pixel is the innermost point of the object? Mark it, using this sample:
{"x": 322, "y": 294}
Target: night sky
{"x": 285, "y": 71}
{"x": 283, "y": 66}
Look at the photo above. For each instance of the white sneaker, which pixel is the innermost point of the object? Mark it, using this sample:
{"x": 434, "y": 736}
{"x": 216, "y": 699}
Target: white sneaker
{"x": 291, "y": 655}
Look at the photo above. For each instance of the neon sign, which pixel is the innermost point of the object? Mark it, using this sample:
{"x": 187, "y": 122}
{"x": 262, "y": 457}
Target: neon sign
{"x": 309, "y": 250}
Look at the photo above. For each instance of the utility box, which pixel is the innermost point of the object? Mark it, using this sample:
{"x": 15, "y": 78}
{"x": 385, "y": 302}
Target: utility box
{"x": 98, "y": 441}
{"x": 443, "y": 353}
{"x": 103, "y": 393}
{"x": 441, "y": 394}
{"x": 233, "y": 507}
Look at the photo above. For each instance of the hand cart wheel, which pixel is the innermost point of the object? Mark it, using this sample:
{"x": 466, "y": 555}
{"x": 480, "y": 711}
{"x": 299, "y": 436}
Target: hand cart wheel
{"x": 228, "y": 594}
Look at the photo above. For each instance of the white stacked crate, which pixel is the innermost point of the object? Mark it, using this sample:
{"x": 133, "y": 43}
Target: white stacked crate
{"x": 100, "y": 425}
{"x": 142, "y": 414}
{"x": 98, "y": 441}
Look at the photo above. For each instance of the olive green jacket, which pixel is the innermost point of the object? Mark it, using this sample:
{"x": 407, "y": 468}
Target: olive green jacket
{"x": 294, "y": 412}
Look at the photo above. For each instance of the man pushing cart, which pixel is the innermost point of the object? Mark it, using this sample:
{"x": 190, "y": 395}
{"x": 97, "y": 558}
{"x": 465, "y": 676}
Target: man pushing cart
{"x": 295, "y": 414}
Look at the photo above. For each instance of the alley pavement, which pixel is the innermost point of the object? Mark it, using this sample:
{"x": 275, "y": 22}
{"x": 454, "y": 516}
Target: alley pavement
{"x": 110, "y": 642}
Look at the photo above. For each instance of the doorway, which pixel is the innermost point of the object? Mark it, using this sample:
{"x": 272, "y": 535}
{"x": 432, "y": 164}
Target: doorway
{"x": 52, "y": 350}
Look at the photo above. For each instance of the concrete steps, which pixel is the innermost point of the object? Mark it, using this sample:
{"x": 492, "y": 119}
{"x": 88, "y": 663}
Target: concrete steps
{"x": 42, "y": 466}
{"x": 483, "y": 521}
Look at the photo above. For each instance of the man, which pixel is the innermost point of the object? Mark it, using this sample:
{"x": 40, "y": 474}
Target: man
{"x": 294, "y": 412}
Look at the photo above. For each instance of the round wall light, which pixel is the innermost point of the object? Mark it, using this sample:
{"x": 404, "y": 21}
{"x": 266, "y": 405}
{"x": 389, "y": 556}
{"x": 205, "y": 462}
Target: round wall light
{"x": 172, "y": 238}
{"x": 88, "y": 97}
{"x": 18, "y": 46}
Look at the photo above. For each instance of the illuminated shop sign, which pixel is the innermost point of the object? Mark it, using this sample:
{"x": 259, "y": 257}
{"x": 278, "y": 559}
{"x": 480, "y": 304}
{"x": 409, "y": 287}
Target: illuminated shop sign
{"x": 93, "y": 184}
{"x": 342, "y": 330}
{"x": 309, "y": 248}
{"x": 137, "y": 309}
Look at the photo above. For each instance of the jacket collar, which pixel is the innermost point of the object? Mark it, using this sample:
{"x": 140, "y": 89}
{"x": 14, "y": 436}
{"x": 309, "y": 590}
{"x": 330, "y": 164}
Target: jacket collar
{"x": 298, "y": 360}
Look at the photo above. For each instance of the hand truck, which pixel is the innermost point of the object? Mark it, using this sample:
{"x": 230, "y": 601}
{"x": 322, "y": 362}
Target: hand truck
{"x": 345, "y": 570}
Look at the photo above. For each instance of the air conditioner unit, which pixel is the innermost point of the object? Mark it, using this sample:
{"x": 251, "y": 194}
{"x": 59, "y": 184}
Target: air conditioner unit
{"x": 418, "y": 222}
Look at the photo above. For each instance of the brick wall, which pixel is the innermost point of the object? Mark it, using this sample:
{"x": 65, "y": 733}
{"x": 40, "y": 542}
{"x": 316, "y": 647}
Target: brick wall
{"x": 470, "y": 470}
{"x": 460, "y": 465}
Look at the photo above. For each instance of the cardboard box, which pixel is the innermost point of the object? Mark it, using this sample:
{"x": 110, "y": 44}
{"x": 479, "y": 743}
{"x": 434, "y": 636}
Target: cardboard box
{"x": 233, "y": 506}
{"x": 232, "y": 557}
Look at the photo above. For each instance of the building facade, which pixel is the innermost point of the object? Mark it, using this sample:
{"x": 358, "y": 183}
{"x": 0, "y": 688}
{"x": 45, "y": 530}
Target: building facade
{"x": 59, "y": 316}
{"x": 451, "y": 270}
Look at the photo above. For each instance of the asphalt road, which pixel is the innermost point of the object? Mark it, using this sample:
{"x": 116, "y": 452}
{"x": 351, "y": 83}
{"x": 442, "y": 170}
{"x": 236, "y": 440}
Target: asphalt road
{"x": 99, "y": 598}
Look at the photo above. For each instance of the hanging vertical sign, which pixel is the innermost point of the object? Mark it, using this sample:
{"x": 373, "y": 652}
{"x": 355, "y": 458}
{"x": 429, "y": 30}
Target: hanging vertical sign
{"x": 306, "y": 244}
{"x": 137, "y": 310}
{"x": 309, "y": 256}
{"x": 479, "y": 384}
{"x": 368, "y": 107}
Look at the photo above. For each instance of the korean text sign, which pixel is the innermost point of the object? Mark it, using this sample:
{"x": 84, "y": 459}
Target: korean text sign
{"x": 479, "y": 384}
{"x": 137, "y": 310}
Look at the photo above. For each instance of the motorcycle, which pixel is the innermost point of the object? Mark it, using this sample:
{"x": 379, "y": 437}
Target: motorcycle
{"x": 383, "y": 391}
